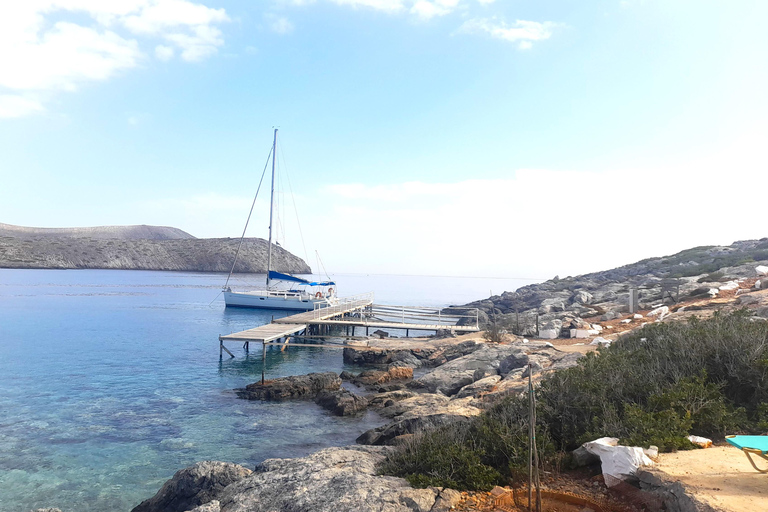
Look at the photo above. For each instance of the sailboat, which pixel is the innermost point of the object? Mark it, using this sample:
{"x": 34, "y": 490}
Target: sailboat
{"x": 300, "y": 295}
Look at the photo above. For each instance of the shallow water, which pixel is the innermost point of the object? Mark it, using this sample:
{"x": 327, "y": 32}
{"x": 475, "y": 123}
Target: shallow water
{"x": 110, "y": 381}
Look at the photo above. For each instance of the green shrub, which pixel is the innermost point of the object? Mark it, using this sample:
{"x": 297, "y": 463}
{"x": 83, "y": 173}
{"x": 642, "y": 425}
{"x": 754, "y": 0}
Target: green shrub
{"x": 448, "y": 456}
{"x": 655, "y": 386}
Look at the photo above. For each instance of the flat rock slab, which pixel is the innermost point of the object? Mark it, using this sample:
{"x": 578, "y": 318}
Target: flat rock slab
{"x": 417, "y": 413}
{"x": 484, "y": 362}
{"x": 331, "y": 480}
{"x": 414, "y": 352}
{"x": 286, "y": 388}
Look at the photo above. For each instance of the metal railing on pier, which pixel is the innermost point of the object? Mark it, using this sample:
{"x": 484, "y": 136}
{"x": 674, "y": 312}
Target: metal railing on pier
{"x": 448, "y": 317}
{"x": 342, "y": 305}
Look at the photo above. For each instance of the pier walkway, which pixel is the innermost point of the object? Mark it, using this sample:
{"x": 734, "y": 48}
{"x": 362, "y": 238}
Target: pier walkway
{"x": 350, "y": 313}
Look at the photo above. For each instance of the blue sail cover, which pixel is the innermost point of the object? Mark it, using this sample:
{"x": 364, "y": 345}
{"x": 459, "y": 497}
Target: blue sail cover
{"x": 278, "y": 276}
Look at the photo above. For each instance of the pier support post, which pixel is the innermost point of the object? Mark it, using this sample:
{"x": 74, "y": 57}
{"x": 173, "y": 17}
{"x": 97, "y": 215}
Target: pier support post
{"x": 263, "y": 359}
{"x": 223, "y": 348}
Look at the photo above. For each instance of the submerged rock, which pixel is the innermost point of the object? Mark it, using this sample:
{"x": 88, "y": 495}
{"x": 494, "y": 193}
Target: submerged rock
{"x": 297, "y": 386}
{"x": 193, "y": 486}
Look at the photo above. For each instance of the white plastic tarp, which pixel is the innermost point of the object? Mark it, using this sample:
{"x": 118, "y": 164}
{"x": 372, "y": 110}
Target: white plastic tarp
{"x": 618, "y": 462}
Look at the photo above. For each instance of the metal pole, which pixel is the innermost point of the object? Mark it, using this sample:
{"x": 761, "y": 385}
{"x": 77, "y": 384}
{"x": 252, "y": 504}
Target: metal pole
{"x": 530, "y": 438}
{"x": 271, "y": 208}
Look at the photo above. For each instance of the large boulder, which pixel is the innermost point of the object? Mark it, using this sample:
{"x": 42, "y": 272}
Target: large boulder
{"x": 411, "y": 415}
{"x": 512, "y": 362}
{"x": 454, "y": 375}
{"x": 193, "y": 486}
{"x": 331, "y": 480}
{"x": 342, "y": 402}
{"x": 389, "y": 398}
{"x": 396, "y": 372}
{"x": 479, "y": 387}
{"x": 297, "y": 386}
{"x": 408, "y": 353}
{"x": 582, "y": 297}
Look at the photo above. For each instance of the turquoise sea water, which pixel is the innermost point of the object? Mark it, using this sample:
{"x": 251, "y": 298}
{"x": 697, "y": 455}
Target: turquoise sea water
{"x": 110, "y": 381}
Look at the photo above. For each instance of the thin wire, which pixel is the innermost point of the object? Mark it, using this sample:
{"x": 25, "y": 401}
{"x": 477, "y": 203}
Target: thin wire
{"x": 321, "y": 264}
{"x": 216, "y": 297}
{"x": 295, "y": 209}
{"x": 248, "y": 219}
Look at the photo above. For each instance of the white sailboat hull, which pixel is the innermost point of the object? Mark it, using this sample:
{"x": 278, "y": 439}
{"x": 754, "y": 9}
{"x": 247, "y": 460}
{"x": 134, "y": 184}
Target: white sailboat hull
{"x": 274, "y": 300}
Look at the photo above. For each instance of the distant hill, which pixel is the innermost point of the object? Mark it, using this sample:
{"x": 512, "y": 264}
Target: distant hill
{"x": 142, "y": 232}
{"x": 695, "y": 272}
{"x": 137, "y": 248}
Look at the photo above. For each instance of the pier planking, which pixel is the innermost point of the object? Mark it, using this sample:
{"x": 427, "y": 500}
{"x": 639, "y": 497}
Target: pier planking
{"x": 335, "y": 315}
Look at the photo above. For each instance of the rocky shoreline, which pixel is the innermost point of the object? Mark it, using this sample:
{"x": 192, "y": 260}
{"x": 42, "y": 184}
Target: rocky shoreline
{"x": 464, "y": 375}
{"x": 457, "y": 378}
{"x": 552, "y": 308}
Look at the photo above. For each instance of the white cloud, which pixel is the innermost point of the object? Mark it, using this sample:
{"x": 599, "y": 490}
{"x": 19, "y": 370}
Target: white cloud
{"x": 521, "y": 31}
{"x": 163, "y": 52}
{"x": 12, "y": 105}
{"x": 279, "y": 25}
{"x": 381, "y": 5}
{"x": 43, "y": 52}
{"x": 536, "y": 222}
{"x": 425, "y": 9}
{"x": 64, "y": 56}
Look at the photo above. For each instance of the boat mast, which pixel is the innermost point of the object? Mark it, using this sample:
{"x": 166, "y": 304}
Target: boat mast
{"x": 271, "y": 207}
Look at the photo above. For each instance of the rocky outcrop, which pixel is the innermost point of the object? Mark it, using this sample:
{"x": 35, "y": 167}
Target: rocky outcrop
{"x": 701, "y": 271}
{"x": 375, "y": 378}
{"x": 484, "y": 362}
{"x": 669, "y": 495}
{"x": 182, "y": 254}
{"x": 479, "y": 387}
{"x": 422, "y": 411}
{"x": 342, "y": 402}
{"x": 193, "y": 486}
{"x": 331, "y": 480}
{"x": 424, "y": 353}
{"x": 295, "y": 386}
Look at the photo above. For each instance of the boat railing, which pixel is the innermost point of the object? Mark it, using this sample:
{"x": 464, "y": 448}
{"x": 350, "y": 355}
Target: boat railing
{"x": 341, "y": 305}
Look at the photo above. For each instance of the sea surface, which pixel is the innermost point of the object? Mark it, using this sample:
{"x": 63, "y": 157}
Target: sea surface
{"x": 111, "y": 381}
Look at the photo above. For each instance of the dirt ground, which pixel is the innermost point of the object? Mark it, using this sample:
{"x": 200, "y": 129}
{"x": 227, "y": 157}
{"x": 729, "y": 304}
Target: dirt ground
{"x": 720, "y": 476}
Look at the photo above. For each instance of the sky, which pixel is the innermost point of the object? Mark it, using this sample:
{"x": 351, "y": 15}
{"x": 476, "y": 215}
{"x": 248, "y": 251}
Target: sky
{"x": 494, "y": 138}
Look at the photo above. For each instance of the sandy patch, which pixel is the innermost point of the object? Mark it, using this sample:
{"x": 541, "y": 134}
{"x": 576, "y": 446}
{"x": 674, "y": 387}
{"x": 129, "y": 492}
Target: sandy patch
{"x": 721, "y": 476}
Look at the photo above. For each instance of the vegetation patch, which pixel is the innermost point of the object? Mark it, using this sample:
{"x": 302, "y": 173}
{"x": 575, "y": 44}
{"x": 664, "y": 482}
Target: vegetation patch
{"x": 655, "y": 386}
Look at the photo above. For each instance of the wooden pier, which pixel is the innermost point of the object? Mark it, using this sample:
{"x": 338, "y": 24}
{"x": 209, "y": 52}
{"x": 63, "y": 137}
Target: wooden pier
{"x": 351, "y": 313}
